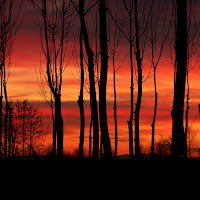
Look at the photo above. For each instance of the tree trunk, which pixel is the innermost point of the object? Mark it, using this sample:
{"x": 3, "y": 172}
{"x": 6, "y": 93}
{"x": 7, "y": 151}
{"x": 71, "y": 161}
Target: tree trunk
{"x": 139, "y": 97}
{"x": 130, "y": 122}
{"x": 54, "y": 139}
{"x": 90, "y": 54}
{"x": 179, "y": 90}
{"x": 6, "y": 124}
{"x": 23, "y": 133}
{"x": 154, "y": 116}
{"x": 9, "y": 132}
{"x": 30, "y": 141}
{"x": 115, "y": 106}
{"x": 1, "y": 107}
{"x": 81, "y": 101}
{"x": 186, "y": 119}
{"x": 90, "y": 139}
{"x": 59, "y": 126}
{"x": 103, "y": 80}
{"x": 54, "y": 130}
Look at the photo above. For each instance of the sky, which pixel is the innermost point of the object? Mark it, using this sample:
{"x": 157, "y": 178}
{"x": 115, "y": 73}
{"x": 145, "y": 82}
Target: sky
{"x": 26, "y": 61}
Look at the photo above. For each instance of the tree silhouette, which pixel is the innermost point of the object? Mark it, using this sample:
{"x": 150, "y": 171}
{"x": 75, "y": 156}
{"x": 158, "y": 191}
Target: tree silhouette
{"x": 27, "y": 128}
{"x": 134, "y": 31}
{"x": 192, "y": 61}
{"x": 103, "y": 80}
{"x": 139, "y": 69}
{"x": 93, "y": 100}
{"x": 113, "y": 42}
{"x": 179, "y": 90}
{"x": 8, "y": 29}
{"x": 57, "y": 24}
{"x": 1, "y": 95}
{"x": 80, "y": 100}
{"x": 145, "y": 29}
{"x": 163, "y": 147}
{"x": 158, "y": 32}
{"x": 129, "y": 10}
{"x": 140, "y": 42}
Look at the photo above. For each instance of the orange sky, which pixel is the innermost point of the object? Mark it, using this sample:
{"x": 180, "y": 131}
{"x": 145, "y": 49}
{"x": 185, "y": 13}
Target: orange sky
{"x": 22, "y": 84}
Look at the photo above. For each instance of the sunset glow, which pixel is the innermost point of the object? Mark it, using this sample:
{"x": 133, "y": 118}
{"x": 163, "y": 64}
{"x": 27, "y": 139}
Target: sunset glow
{"x": 27, "y": 59}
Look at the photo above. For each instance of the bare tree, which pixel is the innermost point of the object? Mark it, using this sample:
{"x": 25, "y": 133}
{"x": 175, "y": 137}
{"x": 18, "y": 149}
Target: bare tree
{"x": 90, "y": 55}
{"x": 158, "y": 32}
{"x": 57, "y": 23}
{"x": 113, "y": 42}
{"x": 139, "y": 69}
{"x": 126, "y": 29}
{"x": 23, "y": 110}
{"x": 46, "y": 94}
{"x": 27, "y": 129}
{"x": 8, "y": 29}
{"x": 133, "y": 27}
{"x": 192, "y": 61}
{"x": 141, "y": 20}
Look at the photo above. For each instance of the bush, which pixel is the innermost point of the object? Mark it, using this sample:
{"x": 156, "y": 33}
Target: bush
{"x": 163, "y": 147}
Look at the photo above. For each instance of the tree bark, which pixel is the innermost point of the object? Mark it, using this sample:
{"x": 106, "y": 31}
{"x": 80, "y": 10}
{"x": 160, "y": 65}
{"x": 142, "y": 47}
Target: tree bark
{"x": 179, "y": 90}
{"x": 103, "y": 81}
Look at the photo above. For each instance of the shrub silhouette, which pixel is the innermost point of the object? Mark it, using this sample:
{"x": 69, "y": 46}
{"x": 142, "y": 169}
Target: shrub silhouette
{"x": 163, "y": 147}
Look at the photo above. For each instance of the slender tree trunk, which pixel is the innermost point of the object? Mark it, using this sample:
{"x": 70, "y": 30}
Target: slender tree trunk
{"x": 186, "y": 119}
{"x": 6, "y": 123}
{"x": 59, "y": 126}
{"x": 54, "y": 129}
{"x": 179, "y": 90}
{"x": 115, "y": 106}
{"x": 54, "y": 139}
{"x": 9, "y": 132}
{"x": 23, "y": 133}
{"x": 154, "y": 116}
{"x": 81, "y": 101}
{"x": 139, "y": 97}
{"x": 103, "y": 80}
{"x": 90, "y": 139}
{"x": 14, "y": 140}
{"x": 130, "y": 122}
{"x": 90, "y": 54}
{"x": 1, "y": 106}
{"x": 30, "y": 140}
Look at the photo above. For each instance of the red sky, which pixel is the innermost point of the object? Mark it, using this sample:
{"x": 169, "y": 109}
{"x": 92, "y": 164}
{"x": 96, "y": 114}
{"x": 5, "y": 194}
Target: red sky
{"x": 22, "y": 84}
